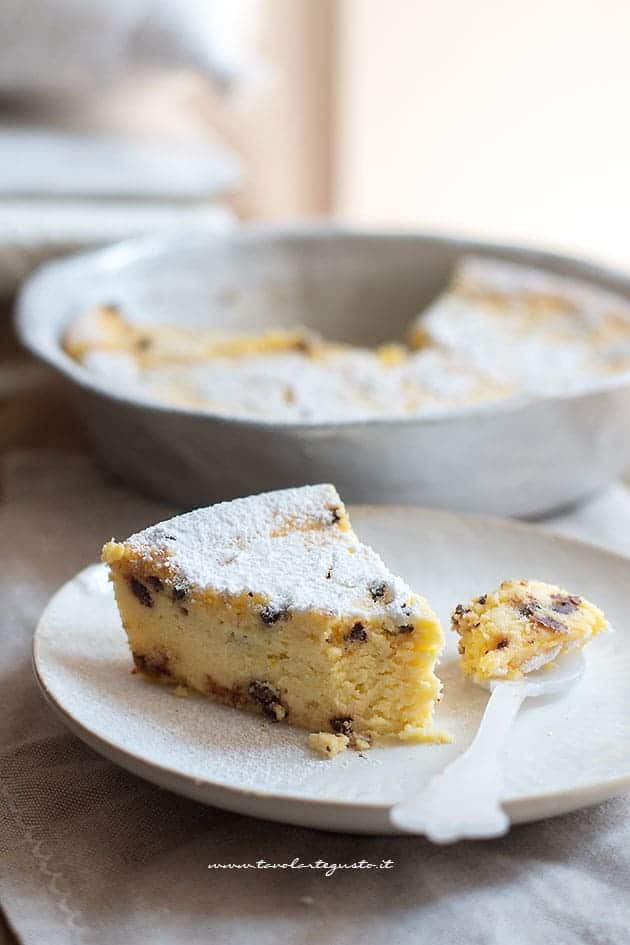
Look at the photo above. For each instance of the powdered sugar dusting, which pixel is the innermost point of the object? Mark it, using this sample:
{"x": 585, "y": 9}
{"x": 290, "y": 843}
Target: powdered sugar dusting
{"x": 287, "y": 387}
{"x": 527, "y": 329}
{"x": 285, "y": 546}
{"x": 516, "y": 279}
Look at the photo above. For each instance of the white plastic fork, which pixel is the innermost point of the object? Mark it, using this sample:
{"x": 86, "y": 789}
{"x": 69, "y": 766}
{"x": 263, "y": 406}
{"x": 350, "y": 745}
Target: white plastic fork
{"x": 464, "y": 800}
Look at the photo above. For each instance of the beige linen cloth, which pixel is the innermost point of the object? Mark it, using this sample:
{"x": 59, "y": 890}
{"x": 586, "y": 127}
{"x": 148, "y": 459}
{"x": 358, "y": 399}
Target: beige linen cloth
{"x": 89, "y": 853}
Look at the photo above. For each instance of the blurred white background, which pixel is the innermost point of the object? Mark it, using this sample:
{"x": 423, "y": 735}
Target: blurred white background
{"x": 498, "y": 117}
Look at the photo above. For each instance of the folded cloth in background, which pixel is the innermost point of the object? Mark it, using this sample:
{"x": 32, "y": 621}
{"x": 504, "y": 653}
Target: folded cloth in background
{"x": 64, "y": 190}
{"x": 59, "y": 163}
{"x": 106, "y": 141}
{"x": 70, "y": 46}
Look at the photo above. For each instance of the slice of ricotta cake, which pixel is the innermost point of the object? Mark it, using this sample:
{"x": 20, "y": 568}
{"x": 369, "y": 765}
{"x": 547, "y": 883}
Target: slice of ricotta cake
{"x": 272, "y": 603}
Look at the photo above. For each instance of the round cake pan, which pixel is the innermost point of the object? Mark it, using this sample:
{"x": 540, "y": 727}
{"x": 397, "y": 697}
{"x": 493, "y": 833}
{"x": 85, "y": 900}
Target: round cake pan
{"x": 522, "y": 457}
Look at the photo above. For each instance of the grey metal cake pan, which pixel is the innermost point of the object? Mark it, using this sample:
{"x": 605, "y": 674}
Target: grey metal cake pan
{"x": 520, "y": 457}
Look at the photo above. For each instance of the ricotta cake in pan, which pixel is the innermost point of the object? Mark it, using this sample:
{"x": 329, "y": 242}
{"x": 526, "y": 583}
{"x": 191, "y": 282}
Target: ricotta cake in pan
{"x": 498, "y": 330}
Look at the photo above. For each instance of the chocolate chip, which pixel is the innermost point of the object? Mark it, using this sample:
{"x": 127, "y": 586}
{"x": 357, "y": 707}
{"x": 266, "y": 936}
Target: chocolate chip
{"x": 565, "y": 603}
{"x": 459, "y": 611}
{"x": 139, "y": 590}
{"x": 155, "y": 583}
{"x": 377, "y": 589}
{"x": 381, "y": 590}
{"x": 342, "y": 725}
{"x": 335, "y": 514}
{"x": 551, "y": 623}
{"x": 155, "y": 664}
{"x": 406, "y": 628}
{"x": 178, "y": 593}
{"x": 528, "y": 610}
{"x": 263, "y": 692}
{"x": 534, "y": 612}
{"x": 268, "y": 698}
{"x": 170, "y": 538}
{"x": 481, "y": 600}
{"x": 303, "y": 345}
{"x": 143, "y": 343}
{"x": 270, "y": 614}
{"x": 503, "y": 642}
{"x": 329, "y": 573}
{"x": 358, "y": 634}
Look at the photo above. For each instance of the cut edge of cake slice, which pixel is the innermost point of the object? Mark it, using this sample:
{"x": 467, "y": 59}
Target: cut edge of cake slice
{"x": 272, "y": 603}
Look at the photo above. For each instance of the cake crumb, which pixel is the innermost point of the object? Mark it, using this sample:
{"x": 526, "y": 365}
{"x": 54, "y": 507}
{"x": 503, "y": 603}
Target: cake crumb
{"x": 361, "y": 742}
{"x": 328, "y": 744}
{"x": 278, "y": 711}
{"x": 182, "y": 692}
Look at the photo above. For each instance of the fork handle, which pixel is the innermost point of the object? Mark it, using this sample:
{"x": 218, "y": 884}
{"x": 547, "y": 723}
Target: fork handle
{"x": 464, "y": 800}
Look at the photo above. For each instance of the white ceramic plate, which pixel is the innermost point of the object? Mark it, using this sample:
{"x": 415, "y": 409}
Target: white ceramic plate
{"x": 562, "y": 754}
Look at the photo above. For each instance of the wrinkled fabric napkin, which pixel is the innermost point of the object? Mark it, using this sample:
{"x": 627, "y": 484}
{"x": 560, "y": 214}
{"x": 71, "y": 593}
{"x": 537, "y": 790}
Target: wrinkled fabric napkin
{"x": 57, "y": 163}
{"x": 91, "y": 854}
